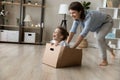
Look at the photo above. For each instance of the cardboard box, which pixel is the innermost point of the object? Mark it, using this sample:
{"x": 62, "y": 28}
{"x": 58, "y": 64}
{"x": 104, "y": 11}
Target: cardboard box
{"x": 59, "y": 56}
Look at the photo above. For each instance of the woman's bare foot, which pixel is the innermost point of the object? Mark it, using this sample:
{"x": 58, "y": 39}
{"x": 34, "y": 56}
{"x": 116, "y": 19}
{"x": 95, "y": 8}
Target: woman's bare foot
{"x": 103, "y": 63}
{"x": 112, "y": 54}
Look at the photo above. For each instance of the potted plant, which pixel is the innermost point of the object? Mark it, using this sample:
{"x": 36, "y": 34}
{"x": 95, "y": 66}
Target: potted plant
{"x": 86, "y": 5}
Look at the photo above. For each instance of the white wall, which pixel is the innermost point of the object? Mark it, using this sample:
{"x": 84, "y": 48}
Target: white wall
{"x": 53, "y": 19}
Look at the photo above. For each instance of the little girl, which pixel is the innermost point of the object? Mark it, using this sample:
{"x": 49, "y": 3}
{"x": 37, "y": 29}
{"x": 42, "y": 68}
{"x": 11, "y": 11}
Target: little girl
{"x": 59, "y": 36}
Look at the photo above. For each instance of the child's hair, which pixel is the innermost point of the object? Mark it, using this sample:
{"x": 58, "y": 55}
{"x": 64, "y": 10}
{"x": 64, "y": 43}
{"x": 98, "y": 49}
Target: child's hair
{"x": 64, "y": 32}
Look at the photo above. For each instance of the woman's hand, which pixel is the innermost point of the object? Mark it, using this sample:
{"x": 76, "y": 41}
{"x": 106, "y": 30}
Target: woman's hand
{"x": 71, "y": 34}
{"x": 78, "y": 41}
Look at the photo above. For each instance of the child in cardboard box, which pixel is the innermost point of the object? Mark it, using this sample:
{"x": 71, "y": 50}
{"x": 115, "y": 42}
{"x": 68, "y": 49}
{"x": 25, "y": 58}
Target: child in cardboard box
{"x": 59, "y": 37}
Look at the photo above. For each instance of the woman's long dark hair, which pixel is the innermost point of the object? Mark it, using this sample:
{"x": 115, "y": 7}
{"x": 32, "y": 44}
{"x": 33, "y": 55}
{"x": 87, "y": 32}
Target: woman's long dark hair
{"x": 78, "y": 7}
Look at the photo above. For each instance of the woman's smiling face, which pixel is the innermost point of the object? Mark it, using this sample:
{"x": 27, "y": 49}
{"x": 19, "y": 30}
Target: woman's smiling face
{"x": 74, "y": 14}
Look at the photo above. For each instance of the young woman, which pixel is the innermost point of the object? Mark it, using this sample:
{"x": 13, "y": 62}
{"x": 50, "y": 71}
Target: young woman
{"x": 59, "y": 37}
{"x": 93, "y": 21}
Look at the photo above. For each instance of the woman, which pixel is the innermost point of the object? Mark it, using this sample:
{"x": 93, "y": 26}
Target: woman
{"x": 93, "y": 21}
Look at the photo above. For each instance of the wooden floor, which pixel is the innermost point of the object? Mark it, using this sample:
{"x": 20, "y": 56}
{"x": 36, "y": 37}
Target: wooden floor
{"x": 24, "y": 62}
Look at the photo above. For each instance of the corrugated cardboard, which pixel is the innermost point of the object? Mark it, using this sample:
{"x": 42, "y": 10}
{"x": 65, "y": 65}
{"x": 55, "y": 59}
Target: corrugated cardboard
{"x": 59, "y": 56}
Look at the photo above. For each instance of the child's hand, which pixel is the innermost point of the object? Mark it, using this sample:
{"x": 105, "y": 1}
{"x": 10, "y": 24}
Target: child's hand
{"x": 56, "y": 44}
{"x": 52, "y": 43}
